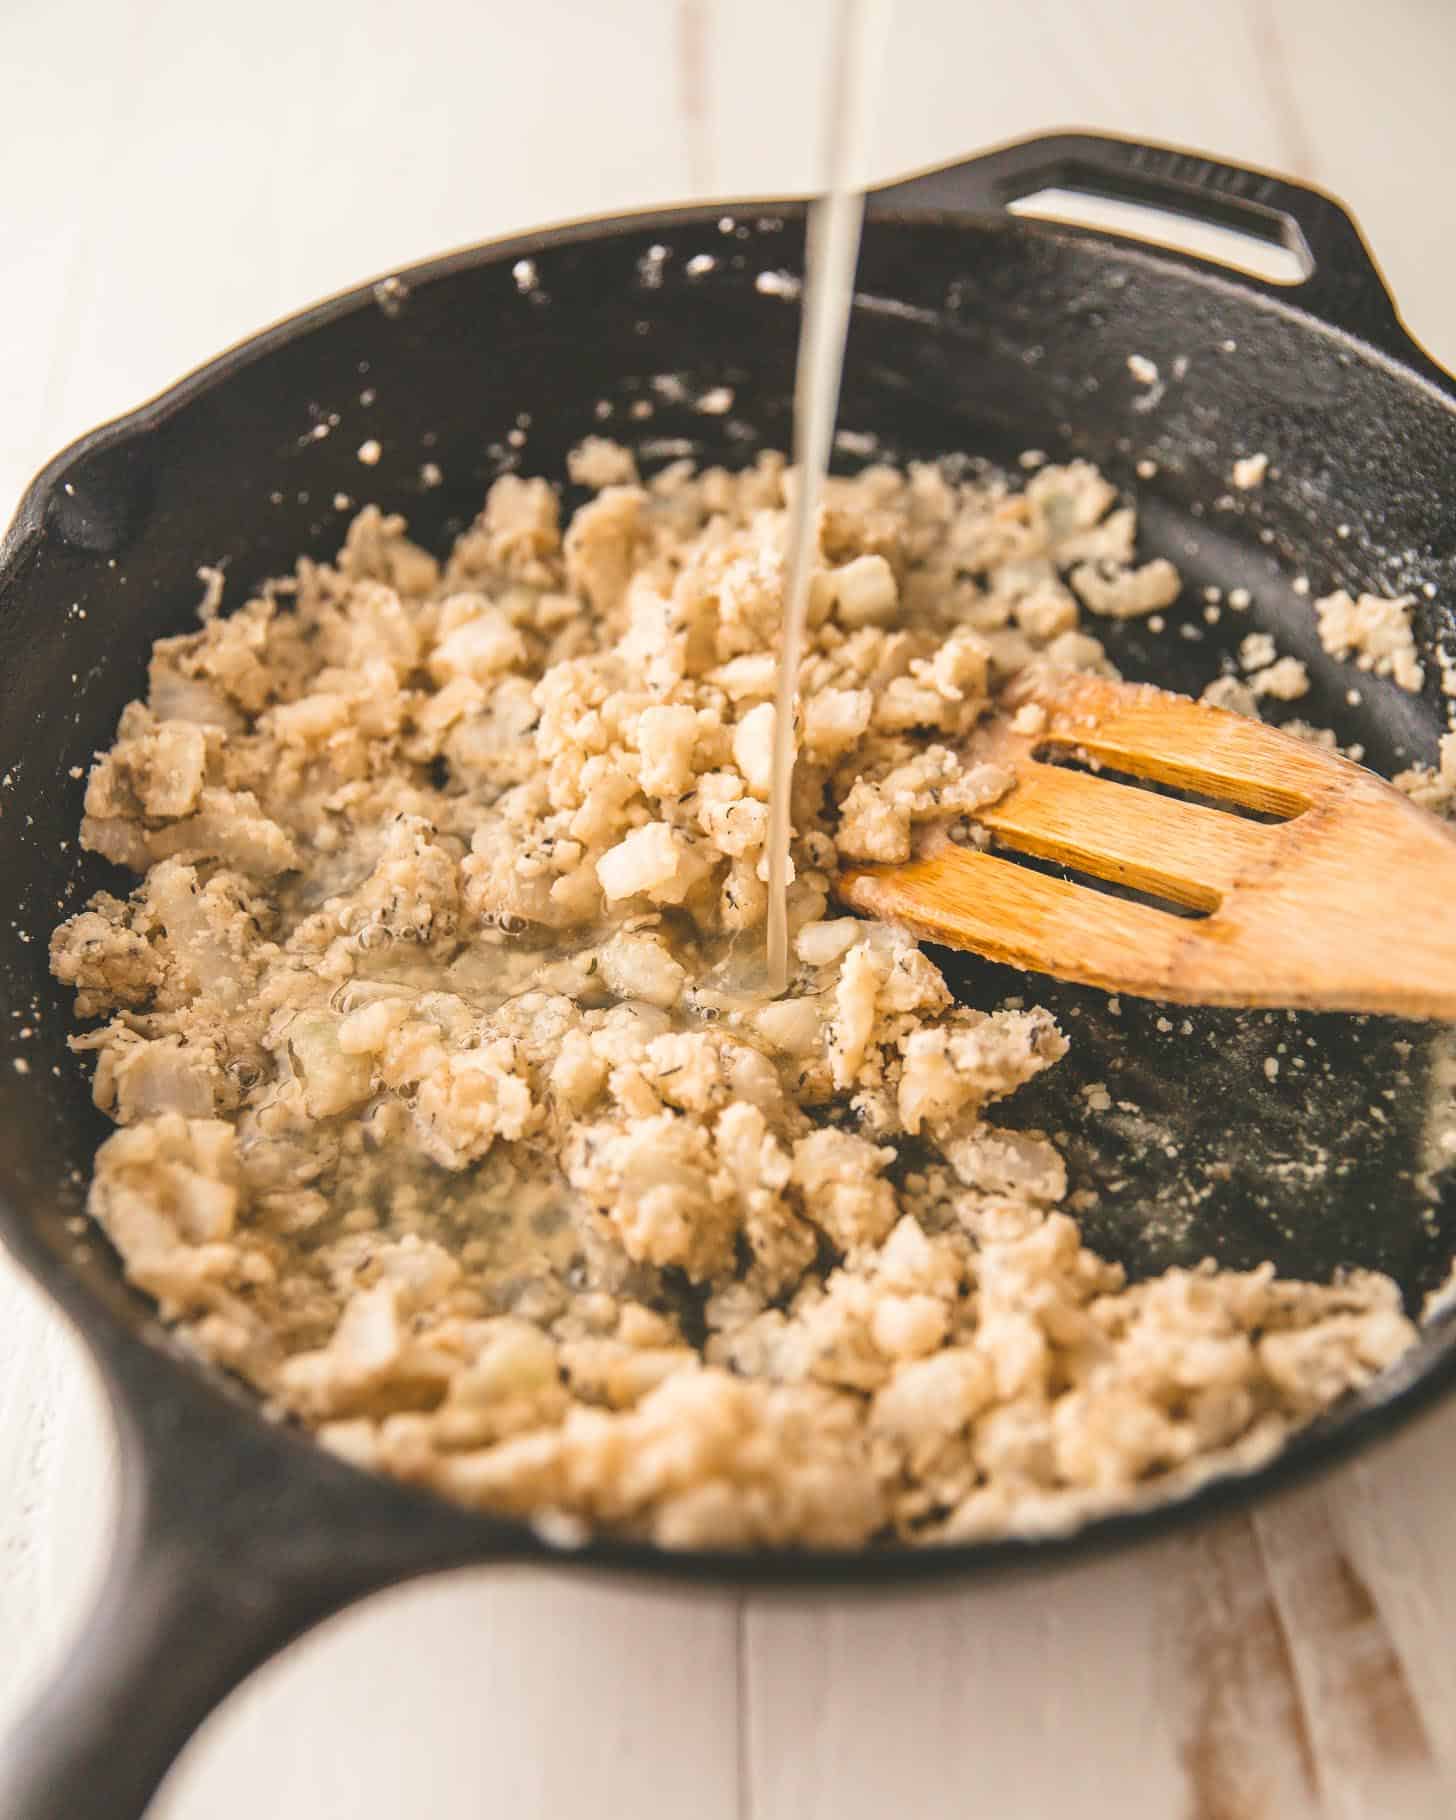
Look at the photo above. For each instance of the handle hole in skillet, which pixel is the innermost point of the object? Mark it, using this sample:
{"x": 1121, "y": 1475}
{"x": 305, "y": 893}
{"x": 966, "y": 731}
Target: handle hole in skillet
{"x": 1278, "y": 254}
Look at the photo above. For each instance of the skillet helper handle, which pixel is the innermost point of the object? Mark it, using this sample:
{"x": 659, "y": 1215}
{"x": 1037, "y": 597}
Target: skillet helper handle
{"x": 1342, "y": 285}
{"x": 233, "y": 1541}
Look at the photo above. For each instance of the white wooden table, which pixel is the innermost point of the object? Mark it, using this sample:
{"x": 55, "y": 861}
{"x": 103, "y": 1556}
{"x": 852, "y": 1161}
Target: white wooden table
{"x": 178, "y": 175}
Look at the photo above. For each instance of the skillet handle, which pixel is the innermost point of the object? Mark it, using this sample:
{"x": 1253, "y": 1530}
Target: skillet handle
{"x": 163, "y": 1644}
{"x": 234, "y": 1540}
{"x": 1342, "y": 285}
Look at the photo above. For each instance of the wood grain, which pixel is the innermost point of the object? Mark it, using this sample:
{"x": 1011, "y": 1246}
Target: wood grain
{"x": 1367, "y": 1733}
{"x": 1391, "y": 1514}
{"x": 1058, "y": 1695}
{"x": 488, "y": 1691}
{"x": 1247, "y": 1748}
{"x": 182, "y": 175}
{"x": 57, "y": 1501}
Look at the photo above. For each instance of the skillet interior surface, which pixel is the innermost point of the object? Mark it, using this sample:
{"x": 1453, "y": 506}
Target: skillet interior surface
{"x": 968, "y": 335}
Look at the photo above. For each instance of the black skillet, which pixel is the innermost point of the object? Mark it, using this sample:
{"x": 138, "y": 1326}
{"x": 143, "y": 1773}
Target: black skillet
{"x": 974, "y": 331}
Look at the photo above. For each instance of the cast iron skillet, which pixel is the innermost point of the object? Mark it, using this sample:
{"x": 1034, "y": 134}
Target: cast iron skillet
{"x": 973, "y": 330}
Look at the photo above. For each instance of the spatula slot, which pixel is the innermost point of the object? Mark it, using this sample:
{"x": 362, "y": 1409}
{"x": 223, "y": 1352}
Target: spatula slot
{"x": 1179, "y": 851}
{"x": 1220, "y": 777}
{"x": 1077, "y": 758}
{"x": 1108, "y": 887}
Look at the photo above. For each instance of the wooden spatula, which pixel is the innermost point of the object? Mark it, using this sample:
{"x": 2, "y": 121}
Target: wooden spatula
{"x": 1346, "y": 902}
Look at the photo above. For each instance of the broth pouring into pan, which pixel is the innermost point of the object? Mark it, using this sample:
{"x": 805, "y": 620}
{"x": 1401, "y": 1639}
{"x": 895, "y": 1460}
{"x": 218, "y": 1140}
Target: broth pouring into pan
{"x": 1323, "y": 911}
{"x": 833, "y": 246}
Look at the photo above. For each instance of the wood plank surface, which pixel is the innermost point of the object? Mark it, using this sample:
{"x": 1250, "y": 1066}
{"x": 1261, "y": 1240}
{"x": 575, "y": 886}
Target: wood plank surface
{"x": 179, "y": 175}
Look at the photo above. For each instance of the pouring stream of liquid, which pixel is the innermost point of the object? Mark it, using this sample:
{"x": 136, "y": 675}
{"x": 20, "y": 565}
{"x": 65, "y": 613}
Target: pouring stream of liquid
{"x": 857, "y": 43}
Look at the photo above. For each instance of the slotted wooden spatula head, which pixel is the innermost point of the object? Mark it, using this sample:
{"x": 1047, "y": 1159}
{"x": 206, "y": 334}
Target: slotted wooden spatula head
{"x": 1346, "y": 901}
